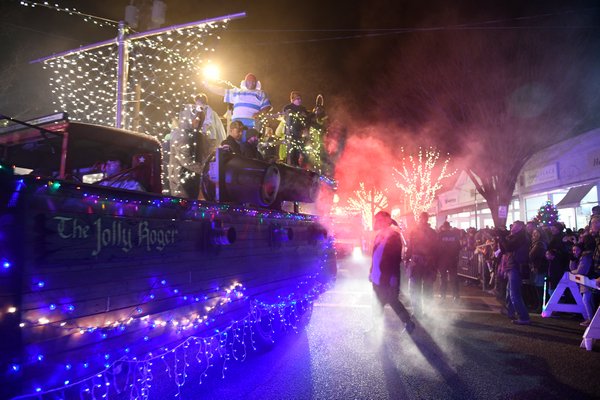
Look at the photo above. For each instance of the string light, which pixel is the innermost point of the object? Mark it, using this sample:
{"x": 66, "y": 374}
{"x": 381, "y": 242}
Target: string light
{"x": 310, "y": 146}
{"x": 418, "y": 180}
{"x": 164, "y": 70}
{"x": 195, "y": 209}
{"x": 131, "y": 369}
{"x": 547, "y": 214}
{"x": 368, "y": 202}
{"x": 265, "y": 320}
{"x": 71, "y": 11}
{"x": 211, "y": 301}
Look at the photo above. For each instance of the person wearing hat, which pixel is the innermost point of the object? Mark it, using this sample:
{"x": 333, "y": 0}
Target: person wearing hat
{"x": 248, "y": 101}
{"x": 560, "y": 247}
{"x": 242, "y": 141}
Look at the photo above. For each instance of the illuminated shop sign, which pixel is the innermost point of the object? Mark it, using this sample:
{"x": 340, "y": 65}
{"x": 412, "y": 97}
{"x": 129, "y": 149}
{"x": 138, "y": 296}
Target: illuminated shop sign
{"x": 544, "y": 174}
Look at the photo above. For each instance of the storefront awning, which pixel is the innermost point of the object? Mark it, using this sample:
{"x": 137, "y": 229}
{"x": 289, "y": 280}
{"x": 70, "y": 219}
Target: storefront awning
{"x": 574, "y": 196}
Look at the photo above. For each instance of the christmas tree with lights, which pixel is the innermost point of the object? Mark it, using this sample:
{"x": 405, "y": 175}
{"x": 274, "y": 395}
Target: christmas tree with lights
{"x": 547, "y": 214}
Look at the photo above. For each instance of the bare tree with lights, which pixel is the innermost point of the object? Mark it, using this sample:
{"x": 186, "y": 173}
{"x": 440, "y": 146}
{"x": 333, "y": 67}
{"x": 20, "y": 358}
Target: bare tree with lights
{"x": 420, "y": 178}
{"x": 368, "y": 202}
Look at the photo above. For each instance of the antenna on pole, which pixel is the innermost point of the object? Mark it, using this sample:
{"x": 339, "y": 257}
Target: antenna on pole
{"x": 122, "y": 69}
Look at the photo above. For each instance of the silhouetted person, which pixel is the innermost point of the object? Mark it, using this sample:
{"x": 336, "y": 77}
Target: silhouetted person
{"x": 385, "y": 268}
{"x": 422, "y": 247}
{"x": 449, "y": 249}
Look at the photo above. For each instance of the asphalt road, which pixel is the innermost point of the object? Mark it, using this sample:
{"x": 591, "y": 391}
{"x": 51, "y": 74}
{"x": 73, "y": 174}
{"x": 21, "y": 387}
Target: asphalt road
{"x": 463, "y": 350}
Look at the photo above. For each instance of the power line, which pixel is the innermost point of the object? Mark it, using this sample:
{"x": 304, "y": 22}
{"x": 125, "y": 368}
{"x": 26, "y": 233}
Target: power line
{"x": 71, "y": 11}
{"x": 375, "y": 32}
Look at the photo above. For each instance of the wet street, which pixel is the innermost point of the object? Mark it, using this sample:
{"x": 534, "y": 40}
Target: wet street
{"x": 462, "y": 350}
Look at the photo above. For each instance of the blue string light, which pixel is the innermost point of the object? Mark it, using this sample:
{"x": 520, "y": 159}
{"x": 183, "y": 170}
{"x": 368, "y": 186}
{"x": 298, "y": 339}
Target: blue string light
{"x": 229, "y": 342}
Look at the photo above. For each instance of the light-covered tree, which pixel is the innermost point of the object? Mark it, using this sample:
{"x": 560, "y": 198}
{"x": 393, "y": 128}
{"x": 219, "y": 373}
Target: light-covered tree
{"x": 420, "y": 178}
{"x": 368, "y": 202}
{"x": 547, "y": 214}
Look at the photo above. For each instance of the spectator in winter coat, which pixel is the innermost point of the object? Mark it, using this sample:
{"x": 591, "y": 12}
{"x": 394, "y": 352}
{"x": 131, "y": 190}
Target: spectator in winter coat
{"x": 562, "y": 248}
{"x": 581, "y": 264}
{"x": 538, "y": 264}
{"x": 422, "y": 249}
{"x": 449, "y": 249}
{"x": 516, "y": 249}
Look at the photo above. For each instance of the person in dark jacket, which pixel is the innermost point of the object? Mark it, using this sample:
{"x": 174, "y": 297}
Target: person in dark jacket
{"x": 516, "y": 250}
{"x": 385, "y": 268}
{"x": 561, "y": 247}
{"x": 242, "y": 141}
{"x": 422, "y": 254}
{"x": 233, "y": 141}
{"x": 449, "y": 249}
{"x": 538, "y": 265}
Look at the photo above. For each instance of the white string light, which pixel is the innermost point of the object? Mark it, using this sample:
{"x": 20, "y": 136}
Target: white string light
{"x": 417, "y": 178}
{"x": 368, "y": 203}
{"x": 163, "y": 74}
{"x": 72, "y": 11}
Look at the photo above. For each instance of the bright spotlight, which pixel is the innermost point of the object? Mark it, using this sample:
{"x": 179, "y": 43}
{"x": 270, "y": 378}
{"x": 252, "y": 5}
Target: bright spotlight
{"x": 211, "y": 72}
{"x": 357, "y": 252}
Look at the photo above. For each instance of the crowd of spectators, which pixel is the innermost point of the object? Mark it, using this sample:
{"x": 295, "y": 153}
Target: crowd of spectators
{"x": 551, "y": 250}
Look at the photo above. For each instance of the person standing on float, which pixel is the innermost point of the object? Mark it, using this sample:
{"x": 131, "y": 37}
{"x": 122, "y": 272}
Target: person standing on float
{"x": 248, "y": 101}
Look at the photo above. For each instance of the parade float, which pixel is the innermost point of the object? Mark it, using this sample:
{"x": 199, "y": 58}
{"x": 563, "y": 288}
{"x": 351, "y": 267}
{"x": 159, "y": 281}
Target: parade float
{"x": 103, "y": 289}
{"x": 112, "y": 293}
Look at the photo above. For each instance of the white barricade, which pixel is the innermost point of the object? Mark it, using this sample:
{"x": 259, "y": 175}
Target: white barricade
{"x": 571, "y": 281}
{"x": 566, "y": 282}
{"x": 592, "y": 332}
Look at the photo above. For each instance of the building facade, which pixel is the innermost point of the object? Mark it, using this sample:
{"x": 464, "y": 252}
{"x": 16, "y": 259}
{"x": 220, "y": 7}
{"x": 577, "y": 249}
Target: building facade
{"x": 566, "y": 173}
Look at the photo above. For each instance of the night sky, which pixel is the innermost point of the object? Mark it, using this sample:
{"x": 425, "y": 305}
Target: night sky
{"x": 413, "y": 73}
